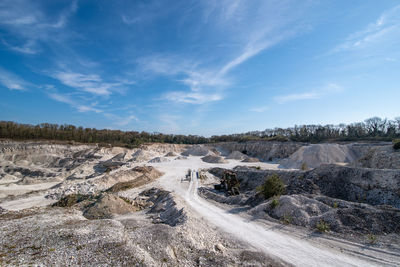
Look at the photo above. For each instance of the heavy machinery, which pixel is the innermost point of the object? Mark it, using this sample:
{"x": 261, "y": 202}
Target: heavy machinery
{"x": 188, "y": 176}
{"x": 229, "y": 183}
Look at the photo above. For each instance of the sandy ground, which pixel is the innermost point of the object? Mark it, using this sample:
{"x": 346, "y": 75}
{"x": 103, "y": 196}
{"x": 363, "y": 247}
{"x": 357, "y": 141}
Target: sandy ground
{"x": 292, "y": 245}
{"x": 15, "y": 189}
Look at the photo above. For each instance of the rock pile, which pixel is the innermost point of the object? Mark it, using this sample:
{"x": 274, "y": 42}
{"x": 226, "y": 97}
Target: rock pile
{"x": 213, "y": 159}
{"x": 197, "y": 151}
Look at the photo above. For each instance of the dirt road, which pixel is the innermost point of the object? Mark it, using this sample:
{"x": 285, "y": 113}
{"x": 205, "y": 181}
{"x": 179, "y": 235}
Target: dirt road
{"x": 298, "y": 250}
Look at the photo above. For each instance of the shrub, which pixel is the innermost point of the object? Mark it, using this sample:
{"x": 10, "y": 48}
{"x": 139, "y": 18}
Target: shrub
{"x": 274, "y": 203}
{"x": 273, "y": 186}
{"x": 287, "y": 218}
{"x": 127, "y": 200}
{"x": 323, "y": 226}
{"x": 372, "y": 238}
{"x": 70, "y": 200}
{"x": 304, "y": 166}
{"x": 396, "y": 144}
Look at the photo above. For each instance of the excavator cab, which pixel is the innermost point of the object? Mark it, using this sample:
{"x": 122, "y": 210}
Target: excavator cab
{"x": 229, "y": 183}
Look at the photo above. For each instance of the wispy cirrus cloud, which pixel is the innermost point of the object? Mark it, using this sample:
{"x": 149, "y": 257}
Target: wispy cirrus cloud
{"x": 252, "y": 27}
{"x": 147, "y": 11}
{"x": 121, "y": 120}
{"x": 68, "y": 99}
{"x": 313, "y": 94}
{"x": 295, "y": 97}
{"x": 90, "y": 83}
{"x": 385, "y": 30}
{"x": 12, "y": 81}
{"x": 30, "y": 47}
{"x": 204, "y": 85}
{"x": 83, "y": 105}
{"x": 27, "y": 25}
{"x": 192, "y": 97}
{"x": 259, "y": 109}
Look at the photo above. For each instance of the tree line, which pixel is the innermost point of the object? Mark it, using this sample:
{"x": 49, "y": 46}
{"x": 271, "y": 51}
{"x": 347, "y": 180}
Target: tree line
{"x": 375, "y": 129}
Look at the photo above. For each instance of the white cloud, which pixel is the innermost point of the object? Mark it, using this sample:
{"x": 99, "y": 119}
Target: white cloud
{"x": 330, "y": 88}
{"x": 251, "y": 50}
{"x": 253, "y": 27}
{"x": 192, "y": 97}
{"x": 121, "y": 120}
{"x": 29, "y": 25}
{"x": 259, "y": 109}
{"x": 204, "y": 85}
{"x": 67, "y": 99}
{"x": 90, "y": 83}
{"x": 129, "y": 21}
{"x": 294, "y": 97}
{"x": 11, "y": 81}
{"x": 126, "y": 120}
{"x": 386, "y": 29}
{"x": 29, "y": 47}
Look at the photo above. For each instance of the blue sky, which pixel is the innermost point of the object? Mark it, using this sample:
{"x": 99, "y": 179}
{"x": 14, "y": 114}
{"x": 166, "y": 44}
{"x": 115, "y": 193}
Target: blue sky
{"x": 199, "y": 67}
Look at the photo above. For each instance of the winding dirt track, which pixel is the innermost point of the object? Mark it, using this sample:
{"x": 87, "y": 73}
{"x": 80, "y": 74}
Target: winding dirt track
{"x": 296, "y": 251}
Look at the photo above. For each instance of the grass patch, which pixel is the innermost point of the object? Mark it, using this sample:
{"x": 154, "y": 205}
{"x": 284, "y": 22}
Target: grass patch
{"x": 323, "y": 226}
{"x": 127, "y": 200}
{"x": 274, "y": 203}
{"x": 372, "y": 239}
{"x": 71, "y": 200}
{"x": 287, "y": 219}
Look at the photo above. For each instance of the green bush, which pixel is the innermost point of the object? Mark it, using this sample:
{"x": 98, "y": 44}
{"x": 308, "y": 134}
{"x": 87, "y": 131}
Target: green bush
{"x": 396, "y": 144}
{"x": 372, "y": 239}
{"x": 323, "y": 226}
{"x": 304, "y": 166}
{"x": 274, "y": 203}
{"x": 273, "y": 186}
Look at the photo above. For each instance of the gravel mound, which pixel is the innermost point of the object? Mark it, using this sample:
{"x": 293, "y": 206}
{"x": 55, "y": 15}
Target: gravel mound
{"x": 249, "y": 159}
{"x": 384, "y": 157}
{"x": 338, "y": 215}
{"x": 158, "y": 160}
{"x": 106, "y": 206}
{"x": 95, "y": 185}
{"x": 264, "y": 150}
{"x": 142, "y": 155}
{"x": 237, "y": 155}
{"x": 318, "y": 154}
{"x": 170, "y": 154}
{"x": 197, "y": 151}
{"x": 122, "y": 186}
{"x": 164, "y": 209}
{"x": 213, "y": 159}
{"x": 71, "y": 200}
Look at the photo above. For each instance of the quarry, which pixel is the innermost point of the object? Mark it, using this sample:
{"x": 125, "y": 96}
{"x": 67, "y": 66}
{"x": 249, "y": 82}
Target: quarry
{"x": 171, "y": 205}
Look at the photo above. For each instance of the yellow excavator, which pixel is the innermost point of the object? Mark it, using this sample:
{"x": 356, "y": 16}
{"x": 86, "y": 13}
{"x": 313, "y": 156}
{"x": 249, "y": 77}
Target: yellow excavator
{"x": 229, "y": 183}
